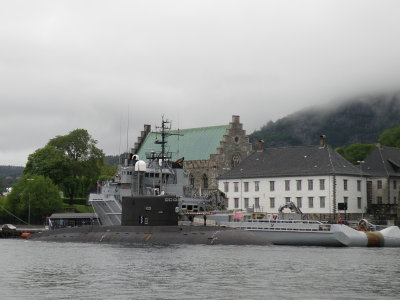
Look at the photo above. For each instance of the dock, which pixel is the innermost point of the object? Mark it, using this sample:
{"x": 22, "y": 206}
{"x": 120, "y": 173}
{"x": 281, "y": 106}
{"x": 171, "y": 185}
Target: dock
{"x": 20, "y": 230}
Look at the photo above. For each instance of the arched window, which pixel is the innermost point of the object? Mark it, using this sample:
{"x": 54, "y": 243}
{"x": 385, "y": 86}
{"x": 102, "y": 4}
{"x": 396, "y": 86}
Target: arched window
{"x": 205, "y": 181}
{"x": 191, "y": 180}
{"x": 236, "y": 159}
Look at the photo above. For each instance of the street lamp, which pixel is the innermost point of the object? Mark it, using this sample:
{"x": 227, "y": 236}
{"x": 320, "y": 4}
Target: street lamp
{"x": 29, "y": 204}
{"x": 360, "y": 162}
{"x": 241, "y": 189}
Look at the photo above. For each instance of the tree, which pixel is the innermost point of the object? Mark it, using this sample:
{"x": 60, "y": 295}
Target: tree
{"x": 49, "y": 162}
{"x": 33, "y": 198}
{"x": 355, "y": 152}
{"x": 2, "y": 186}
{"x": 390, "y": 137}
{"x": 72, "y": 161}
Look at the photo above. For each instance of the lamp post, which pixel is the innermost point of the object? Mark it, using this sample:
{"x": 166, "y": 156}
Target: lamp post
{"x": 241, "y": 189}
{"x": 360, "y": 162}
{"x": 29, "y": 204}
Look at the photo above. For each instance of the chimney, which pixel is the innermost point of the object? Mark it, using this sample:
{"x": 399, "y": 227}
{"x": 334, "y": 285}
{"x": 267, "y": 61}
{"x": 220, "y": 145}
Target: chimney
{"x": 322, "y": 141}
{"x": 235, "y": 119}
{"x": 147, "y": 128}
{"x": 261, "y": 146}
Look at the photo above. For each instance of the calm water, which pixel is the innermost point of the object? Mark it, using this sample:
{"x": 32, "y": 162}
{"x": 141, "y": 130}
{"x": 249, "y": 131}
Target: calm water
{"x": 39, "y": 270}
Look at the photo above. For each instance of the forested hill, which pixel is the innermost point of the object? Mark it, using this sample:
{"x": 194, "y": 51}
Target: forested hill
{"x": 358, "y": 120}
{"x": 9, "y": 175}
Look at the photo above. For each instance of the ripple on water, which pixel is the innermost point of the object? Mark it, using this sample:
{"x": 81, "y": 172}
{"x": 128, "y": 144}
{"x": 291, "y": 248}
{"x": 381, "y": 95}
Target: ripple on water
{"x": 38, "y": 270}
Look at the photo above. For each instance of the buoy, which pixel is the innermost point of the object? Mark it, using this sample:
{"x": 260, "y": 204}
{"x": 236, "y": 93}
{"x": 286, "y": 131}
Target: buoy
{"x": 25, "y": 235}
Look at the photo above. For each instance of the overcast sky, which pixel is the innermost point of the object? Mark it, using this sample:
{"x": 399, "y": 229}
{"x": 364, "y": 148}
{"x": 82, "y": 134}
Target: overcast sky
{"x": 86, "y": 64}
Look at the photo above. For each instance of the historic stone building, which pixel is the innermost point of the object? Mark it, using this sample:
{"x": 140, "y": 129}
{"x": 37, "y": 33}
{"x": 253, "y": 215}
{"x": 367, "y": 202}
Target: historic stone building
{"x": 207, "y": 152}
{"x": 382, "y": 169}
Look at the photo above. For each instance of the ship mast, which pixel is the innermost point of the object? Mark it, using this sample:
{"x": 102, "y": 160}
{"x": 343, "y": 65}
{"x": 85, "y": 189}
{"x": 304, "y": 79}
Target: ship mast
{"x": 164, "y": 131}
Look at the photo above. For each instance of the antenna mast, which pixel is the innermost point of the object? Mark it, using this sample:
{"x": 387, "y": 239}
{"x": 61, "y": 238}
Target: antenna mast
{"x": 164, "y": 131}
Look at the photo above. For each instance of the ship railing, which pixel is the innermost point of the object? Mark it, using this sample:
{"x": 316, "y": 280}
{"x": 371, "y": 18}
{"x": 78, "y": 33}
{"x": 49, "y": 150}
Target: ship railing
{"x": 158, "y": 155}
{"x": 279, "y": 227}
{"x": 286, "y": 221}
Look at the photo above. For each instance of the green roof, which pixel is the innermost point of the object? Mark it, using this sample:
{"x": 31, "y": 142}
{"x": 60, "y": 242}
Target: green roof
{"x": 192, "y": 144}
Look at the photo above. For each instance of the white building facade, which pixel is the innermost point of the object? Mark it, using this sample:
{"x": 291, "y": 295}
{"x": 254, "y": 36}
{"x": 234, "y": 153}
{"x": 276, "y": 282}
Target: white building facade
{"x": 312, "y": 194}
{"x": 316, "y": 179}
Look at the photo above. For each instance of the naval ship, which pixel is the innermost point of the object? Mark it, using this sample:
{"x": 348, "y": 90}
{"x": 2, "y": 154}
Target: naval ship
{"x": 157, "y": 177}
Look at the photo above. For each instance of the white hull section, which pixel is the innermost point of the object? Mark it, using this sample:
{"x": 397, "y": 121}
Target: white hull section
{"x": 304, "y": 233}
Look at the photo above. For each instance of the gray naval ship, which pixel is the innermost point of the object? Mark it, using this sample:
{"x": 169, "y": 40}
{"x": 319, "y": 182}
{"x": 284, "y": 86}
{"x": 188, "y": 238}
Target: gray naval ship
{"x": 146, "y": 204}
{"x": 158, "y": 176}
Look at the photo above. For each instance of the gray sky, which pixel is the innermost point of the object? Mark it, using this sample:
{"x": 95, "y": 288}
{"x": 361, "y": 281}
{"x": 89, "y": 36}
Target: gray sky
{"x": 85, "y": 64}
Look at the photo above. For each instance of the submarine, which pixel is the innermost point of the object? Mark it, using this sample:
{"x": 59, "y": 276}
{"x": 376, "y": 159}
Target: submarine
{"x": 152, "y": 220}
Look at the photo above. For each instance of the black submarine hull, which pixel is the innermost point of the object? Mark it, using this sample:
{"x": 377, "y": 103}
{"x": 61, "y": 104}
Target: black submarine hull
{"x": 152, "y": 235}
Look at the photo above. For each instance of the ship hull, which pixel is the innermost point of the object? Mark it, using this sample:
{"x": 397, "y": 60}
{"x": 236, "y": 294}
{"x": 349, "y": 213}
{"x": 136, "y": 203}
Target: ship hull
{"x": 152, "y": 235}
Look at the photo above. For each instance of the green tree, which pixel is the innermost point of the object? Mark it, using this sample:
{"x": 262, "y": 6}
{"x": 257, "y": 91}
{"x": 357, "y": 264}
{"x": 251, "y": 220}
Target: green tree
{"x": 391, "y": 137}
{"x": 49, "y": 162}
{"x": 72, "y": 161}
{"x": 107, "y": 172}
{"x": 2, "y": 187}
{"x": 33, "y": 198}
{"x": 355, "y": 152}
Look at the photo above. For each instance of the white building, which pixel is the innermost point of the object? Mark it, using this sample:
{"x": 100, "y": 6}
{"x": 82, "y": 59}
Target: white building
{"x": 315, "y": 178}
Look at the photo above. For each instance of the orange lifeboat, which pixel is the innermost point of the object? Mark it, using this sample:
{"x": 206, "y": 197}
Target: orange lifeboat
{"x": 25, "y": 235}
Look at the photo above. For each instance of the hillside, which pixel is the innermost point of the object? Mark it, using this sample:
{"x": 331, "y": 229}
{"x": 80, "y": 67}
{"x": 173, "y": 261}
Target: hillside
{"x": 358, "y": 120}
{"x": 9, "y": 175}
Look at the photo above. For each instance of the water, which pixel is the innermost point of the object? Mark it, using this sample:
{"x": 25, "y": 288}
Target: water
{"x": 40, "y": 270}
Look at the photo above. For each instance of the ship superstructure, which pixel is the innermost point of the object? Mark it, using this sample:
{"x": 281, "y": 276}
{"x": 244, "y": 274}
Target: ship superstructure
{"x": 159, "y": 176}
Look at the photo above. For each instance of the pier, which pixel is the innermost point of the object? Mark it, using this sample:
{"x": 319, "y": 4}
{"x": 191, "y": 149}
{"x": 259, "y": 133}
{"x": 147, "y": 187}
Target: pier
{"x": 21, "y": 229}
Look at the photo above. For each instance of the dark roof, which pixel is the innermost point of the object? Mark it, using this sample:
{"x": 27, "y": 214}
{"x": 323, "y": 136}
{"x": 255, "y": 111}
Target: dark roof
{"x": 293, "y": 161}
{"x": 383, "y": 161}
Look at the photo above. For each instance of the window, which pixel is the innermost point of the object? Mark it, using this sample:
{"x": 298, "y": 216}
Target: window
{"x": 236, "y": 187}
{"x": 226, "y": 187}
{"x": 345, "y": 184}
{"x": 359, "y": 185}
{"x": 310, "y": 184}
{"x": 379, "y": 184}
{"x": 246, "y": 186}
{"x": 246, "y": 202}
{"x": 287, "y": 199}
{"x": 205, "y": 181}
{"x": 272, "y": 186}
{"x": 299, "y": 200}
{"x": 256, "y": 186}
{"x": 191, "y": 178}
{"x": 287, "y": 185}
{"x": 394, "y": 184}
{"x": 257, "y": 202}
{"x": 394, "y": 199}
{"x": 359, "y": 202}
{"x": 236, "y": 200}
{"x": 298, "y": 184}
{"x": 322, "y": 184}
{"x": 345, "y": 199}
{"x": 272, "y": 202}
{"x": 310, "y": 202}
{"x": 379, "y": 200}
{"x": 322, "y": 202}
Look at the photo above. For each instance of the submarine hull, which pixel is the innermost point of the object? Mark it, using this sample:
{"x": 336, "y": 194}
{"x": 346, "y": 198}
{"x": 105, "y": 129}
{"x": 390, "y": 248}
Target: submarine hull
{"x": 152, "y": 235}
